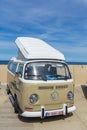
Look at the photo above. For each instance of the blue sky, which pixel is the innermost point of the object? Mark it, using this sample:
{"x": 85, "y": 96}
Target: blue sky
{"x": 61, "y": 23}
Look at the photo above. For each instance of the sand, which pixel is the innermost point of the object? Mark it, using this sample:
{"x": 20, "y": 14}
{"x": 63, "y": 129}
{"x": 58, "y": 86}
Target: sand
{"x": 3, "y": 74}
{"x": 3, "y": 95}
{"x": 79, "y": 74}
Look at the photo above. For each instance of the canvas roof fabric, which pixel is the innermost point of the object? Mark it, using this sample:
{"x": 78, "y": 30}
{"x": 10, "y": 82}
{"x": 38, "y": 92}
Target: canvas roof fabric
{"x": 33, "y": 48}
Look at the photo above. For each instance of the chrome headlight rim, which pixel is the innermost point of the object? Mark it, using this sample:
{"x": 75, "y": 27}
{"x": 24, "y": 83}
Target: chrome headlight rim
{"x": 33, "y": 98}
{"x": 70, "y": 95}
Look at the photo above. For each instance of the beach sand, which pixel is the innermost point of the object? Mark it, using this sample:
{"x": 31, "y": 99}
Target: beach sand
{"x": 3, "y": 95}
{"x": 3, "y": 74}
{"x": 79, "y": 74}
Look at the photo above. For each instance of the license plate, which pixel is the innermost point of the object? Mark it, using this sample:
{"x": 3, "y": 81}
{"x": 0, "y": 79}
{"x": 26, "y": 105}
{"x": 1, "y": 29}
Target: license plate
{"x": 54, "y": 113}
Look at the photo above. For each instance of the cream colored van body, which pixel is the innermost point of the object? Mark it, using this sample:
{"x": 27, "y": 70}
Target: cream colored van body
{"x": 39, "y": 80}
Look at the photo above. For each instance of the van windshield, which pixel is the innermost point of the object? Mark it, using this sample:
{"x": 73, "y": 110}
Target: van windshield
{"x": 46, "y": 70}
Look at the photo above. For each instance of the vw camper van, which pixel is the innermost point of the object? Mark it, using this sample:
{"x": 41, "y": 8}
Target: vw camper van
{"x": 39, "y": 82}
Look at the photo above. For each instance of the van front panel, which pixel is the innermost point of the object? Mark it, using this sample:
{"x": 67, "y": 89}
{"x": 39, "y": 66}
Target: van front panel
{"x": 51, "y": 95}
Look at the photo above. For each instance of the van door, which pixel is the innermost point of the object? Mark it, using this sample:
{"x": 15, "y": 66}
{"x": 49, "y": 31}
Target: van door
{"x": 18, "y": 83}
{"x": 12, "y": 67}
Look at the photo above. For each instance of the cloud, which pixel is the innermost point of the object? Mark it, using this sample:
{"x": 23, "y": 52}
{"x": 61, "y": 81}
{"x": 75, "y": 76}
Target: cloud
{"x": 73, "y": 53}
{"x": 61, "y": 23}
{"x": 7, "y": 50}
{"x": 7, "y": 45}
{"x": 81, "y": 1}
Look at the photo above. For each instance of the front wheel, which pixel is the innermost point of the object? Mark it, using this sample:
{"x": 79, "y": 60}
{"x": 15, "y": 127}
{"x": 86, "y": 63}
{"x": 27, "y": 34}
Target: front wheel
{"x": 16, "y": 106}
{"x": 8, "y": 90}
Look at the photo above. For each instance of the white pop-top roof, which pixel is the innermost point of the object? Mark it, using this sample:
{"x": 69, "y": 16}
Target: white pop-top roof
{"x": 33, "y": 48}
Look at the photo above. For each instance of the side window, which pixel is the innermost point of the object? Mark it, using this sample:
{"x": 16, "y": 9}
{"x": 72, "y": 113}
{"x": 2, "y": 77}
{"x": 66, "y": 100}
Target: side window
{"x": 9, "y": 65}
{"x": 20, "y": 69}
{"x": 12, "y": 67}
{"x": 61, "y": 71}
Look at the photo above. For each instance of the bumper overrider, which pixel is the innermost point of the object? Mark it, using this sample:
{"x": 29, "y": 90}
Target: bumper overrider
{"x": 42, "y": 114}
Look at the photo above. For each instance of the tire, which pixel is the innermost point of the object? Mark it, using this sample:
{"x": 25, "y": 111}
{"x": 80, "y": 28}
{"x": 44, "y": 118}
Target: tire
{"x": 16, "y": 106}
{"x": 8, "y": 90}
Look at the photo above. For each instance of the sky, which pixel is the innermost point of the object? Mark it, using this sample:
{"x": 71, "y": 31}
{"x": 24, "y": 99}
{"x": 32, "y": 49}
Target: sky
{"x": 60, "y": 23}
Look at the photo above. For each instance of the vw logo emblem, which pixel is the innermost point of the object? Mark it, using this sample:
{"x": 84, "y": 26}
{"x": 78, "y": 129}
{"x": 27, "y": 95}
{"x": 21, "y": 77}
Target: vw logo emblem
{"x": 54, "y": 96}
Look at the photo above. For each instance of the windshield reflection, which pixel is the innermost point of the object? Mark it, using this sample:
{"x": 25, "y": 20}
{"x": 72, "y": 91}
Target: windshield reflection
{"x": 46, "y": 71}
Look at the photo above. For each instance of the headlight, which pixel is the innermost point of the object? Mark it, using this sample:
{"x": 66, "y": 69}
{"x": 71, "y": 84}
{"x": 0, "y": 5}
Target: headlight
{"x": 33, "y": 98}
{"x": 70, "y": 95}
